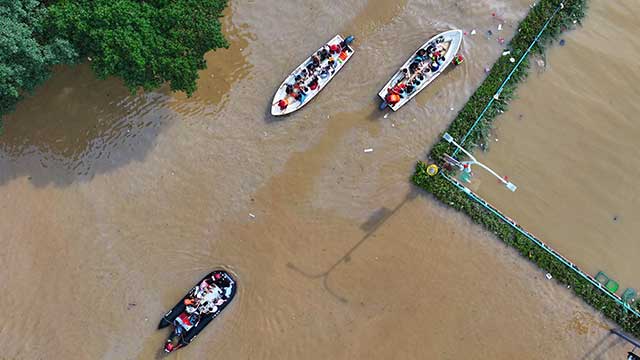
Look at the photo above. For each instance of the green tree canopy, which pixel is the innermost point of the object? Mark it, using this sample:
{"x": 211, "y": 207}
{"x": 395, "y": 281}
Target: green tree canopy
{"x": 146, "y": 43}
{"x": 26, "y": 52}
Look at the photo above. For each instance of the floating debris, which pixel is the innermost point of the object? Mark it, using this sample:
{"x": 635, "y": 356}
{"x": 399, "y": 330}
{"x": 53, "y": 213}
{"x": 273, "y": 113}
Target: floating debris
{"x": 473, "y": 32}
{"x": 499, "y": 27}
{"x": 252, "y": 216}
{"x": 512, "y": 60}
{"x": 562, "y": 42}
{"x": 386, "y": 115}
{"x": 368, "y": 150}
{"x": 548, "y": 275}
{"x": 505, "y": 53}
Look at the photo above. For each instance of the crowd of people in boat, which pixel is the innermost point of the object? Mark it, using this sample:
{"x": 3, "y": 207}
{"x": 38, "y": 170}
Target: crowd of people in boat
{"x": 427, "y": 62}
{"x": 321, "y": 65}
{"x": 204, "y": 299}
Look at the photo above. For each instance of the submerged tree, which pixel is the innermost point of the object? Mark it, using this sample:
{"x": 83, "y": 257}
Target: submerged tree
{"x": 26, "y": 51}
{"x": 146, "y": 43}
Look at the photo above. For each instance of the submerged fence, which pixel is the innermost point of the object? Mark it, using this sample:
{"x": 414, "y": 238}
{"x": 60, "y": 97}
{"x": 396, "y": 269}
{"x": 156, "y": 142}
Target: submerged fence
{"x": 546, "y": 20}
{"x": 540, "y": 243}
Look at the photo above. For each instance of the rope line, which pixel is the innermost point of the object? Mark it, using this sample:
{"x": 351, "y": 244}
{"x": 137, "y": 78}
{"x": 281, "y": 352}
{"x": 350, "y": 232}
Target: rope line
{"x": 504, "y": 83}
{"x": 541, "y": 244}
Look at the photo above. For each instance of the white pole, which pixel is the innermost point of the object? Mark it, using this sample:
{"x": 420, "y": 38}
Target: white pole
{"x": 508, "y": 184}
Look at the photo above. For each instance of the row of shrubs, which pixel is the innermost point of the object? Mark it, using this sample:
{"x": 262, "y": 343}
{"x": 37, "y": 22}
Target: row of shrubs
{"x": 569, "y": 16}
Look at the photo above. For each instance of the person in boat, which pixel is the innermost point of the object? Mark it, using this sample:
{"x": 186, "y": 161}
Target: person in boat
{"x": 335, "y": 48}
{"x": 332, "y": 62}
{"x": 324, "y": 73}
{"x": 314, "y": 63}
{"x": 435, "y": 66}
{"x": 344, "y": 46}
{"x": 421, "y": 56}
{"x": 404, "y": 74}
{"x": 283, "y": 103}
{"x": 324, "y": 53}
{"x": 409, "y": 89}
{"x": 392, "y": 98}
{"x": 413, "y": 68}
{"x": 313, "y": 85}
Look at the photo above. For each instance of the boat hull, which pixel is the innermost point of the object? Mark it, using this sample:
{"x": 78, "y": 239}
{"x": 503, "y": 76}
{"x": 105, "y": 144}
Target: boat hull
{"x": 454, "y": 38}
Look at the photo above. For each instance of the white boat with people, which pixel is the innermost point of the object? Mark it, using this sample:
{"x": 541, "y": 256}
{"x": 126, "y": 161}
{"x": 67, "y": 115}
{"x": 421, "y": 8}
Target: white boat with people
{"x": 424, "y": 66}
{"x": 308, "y": 79}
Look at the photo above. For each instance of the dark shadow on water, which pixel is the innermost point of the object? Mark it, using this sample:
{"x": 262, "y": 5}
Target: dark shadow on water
{"x": 375, "y": 221}
{"x": 601, "y": 348}
{"x": 76, "y": 126}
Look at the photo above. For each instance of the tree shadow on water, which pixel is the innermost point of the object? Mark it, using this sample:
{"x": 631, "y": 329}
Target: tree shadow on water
{"x": 76, "y": 126}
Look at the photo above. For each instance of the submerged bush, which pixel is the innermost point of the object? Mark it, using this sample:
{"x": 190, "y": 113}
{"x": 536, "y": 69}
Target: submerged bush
{"x": 449, "y": 194}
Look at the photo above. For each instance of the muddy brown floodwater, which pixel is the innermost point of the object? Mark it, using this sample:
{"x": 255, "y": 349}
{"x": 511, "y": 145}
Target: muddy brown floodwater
{"x": 570, "y": 141}
{"x": 113, "y": 204}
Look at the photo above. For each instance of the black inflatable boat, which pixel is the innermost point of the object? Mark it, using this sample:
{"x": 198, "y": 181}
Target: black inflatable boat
{"x": 203, "y": 303}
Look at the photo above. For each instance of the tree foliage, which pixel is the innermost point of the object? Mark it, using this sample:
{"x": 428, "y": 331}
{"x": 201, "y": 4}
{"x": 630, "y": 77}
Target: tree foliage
{"x": 26, "y": 51}
{"x": 146, "y": 43}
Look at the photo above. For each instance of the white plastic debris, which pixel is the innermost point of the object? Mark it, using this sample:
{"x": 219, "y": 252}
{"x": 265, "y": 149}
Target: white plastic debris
{"x": 386, "y": 115}
{"x": 451, "y": 109}
{"x": 473, "y": 32}
{"x": 499, "y": 27}
{"x": 512, "y": 60}
{"x": 368, "y": 150}
{"x": 505, "y": 53}
{"x": 548, "y": 275}
{"x": 252, "y": 216}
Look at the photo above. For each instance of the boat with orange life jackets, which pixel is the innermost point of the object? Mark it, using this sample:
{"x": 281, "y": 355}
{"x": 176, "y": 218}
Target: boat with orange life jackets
{"x": 308, "y": 79}
{"x": 421, "y": 69}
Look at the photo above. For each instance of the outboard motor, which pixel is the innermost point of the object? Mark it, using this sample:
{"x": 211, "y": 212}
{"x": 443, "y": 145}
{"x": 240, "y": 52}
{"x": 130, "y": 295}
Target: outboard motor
{"x": 349, "y": 40}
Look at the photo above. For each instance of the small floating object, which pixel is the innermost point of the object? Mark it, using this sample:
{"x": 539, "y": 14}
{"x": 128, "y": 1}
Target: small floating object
{"x": 432, "y": 169}
{"x": 252, "y": 216}
{"x": 562, "y": 42}
{"x": 386, "y": 115}
{"x": 203, "y": 303}
{"x": 459, "y": 59}
{"x": 499, "y": 27}
{"x": 473, "y": 32}
{"x": 549, "y": 277}
{"x": 368, "y": 150}
{"x": 505, "y": 53}
{"x": 512, "y": 60}
{"x": 501, "y": 40}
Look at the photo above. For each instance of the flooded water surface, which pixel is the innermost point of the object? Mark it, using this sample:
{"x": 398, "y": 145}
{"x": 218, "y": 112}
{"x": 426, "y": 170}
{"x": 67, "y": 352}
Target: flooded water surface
{"x": 113, "y": 204}
{"x": 570, "y": 141}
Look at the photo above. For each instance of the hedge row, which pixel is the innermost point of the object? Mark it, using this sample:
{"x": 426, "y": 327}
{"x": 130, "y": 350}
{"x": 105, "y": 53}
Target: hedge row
{"x": 446, "y": 192}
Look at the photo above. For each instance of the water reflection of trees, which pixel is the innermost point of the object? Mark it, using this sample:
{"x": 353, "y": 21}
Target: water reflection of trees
{"x": 76, "y": 126}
